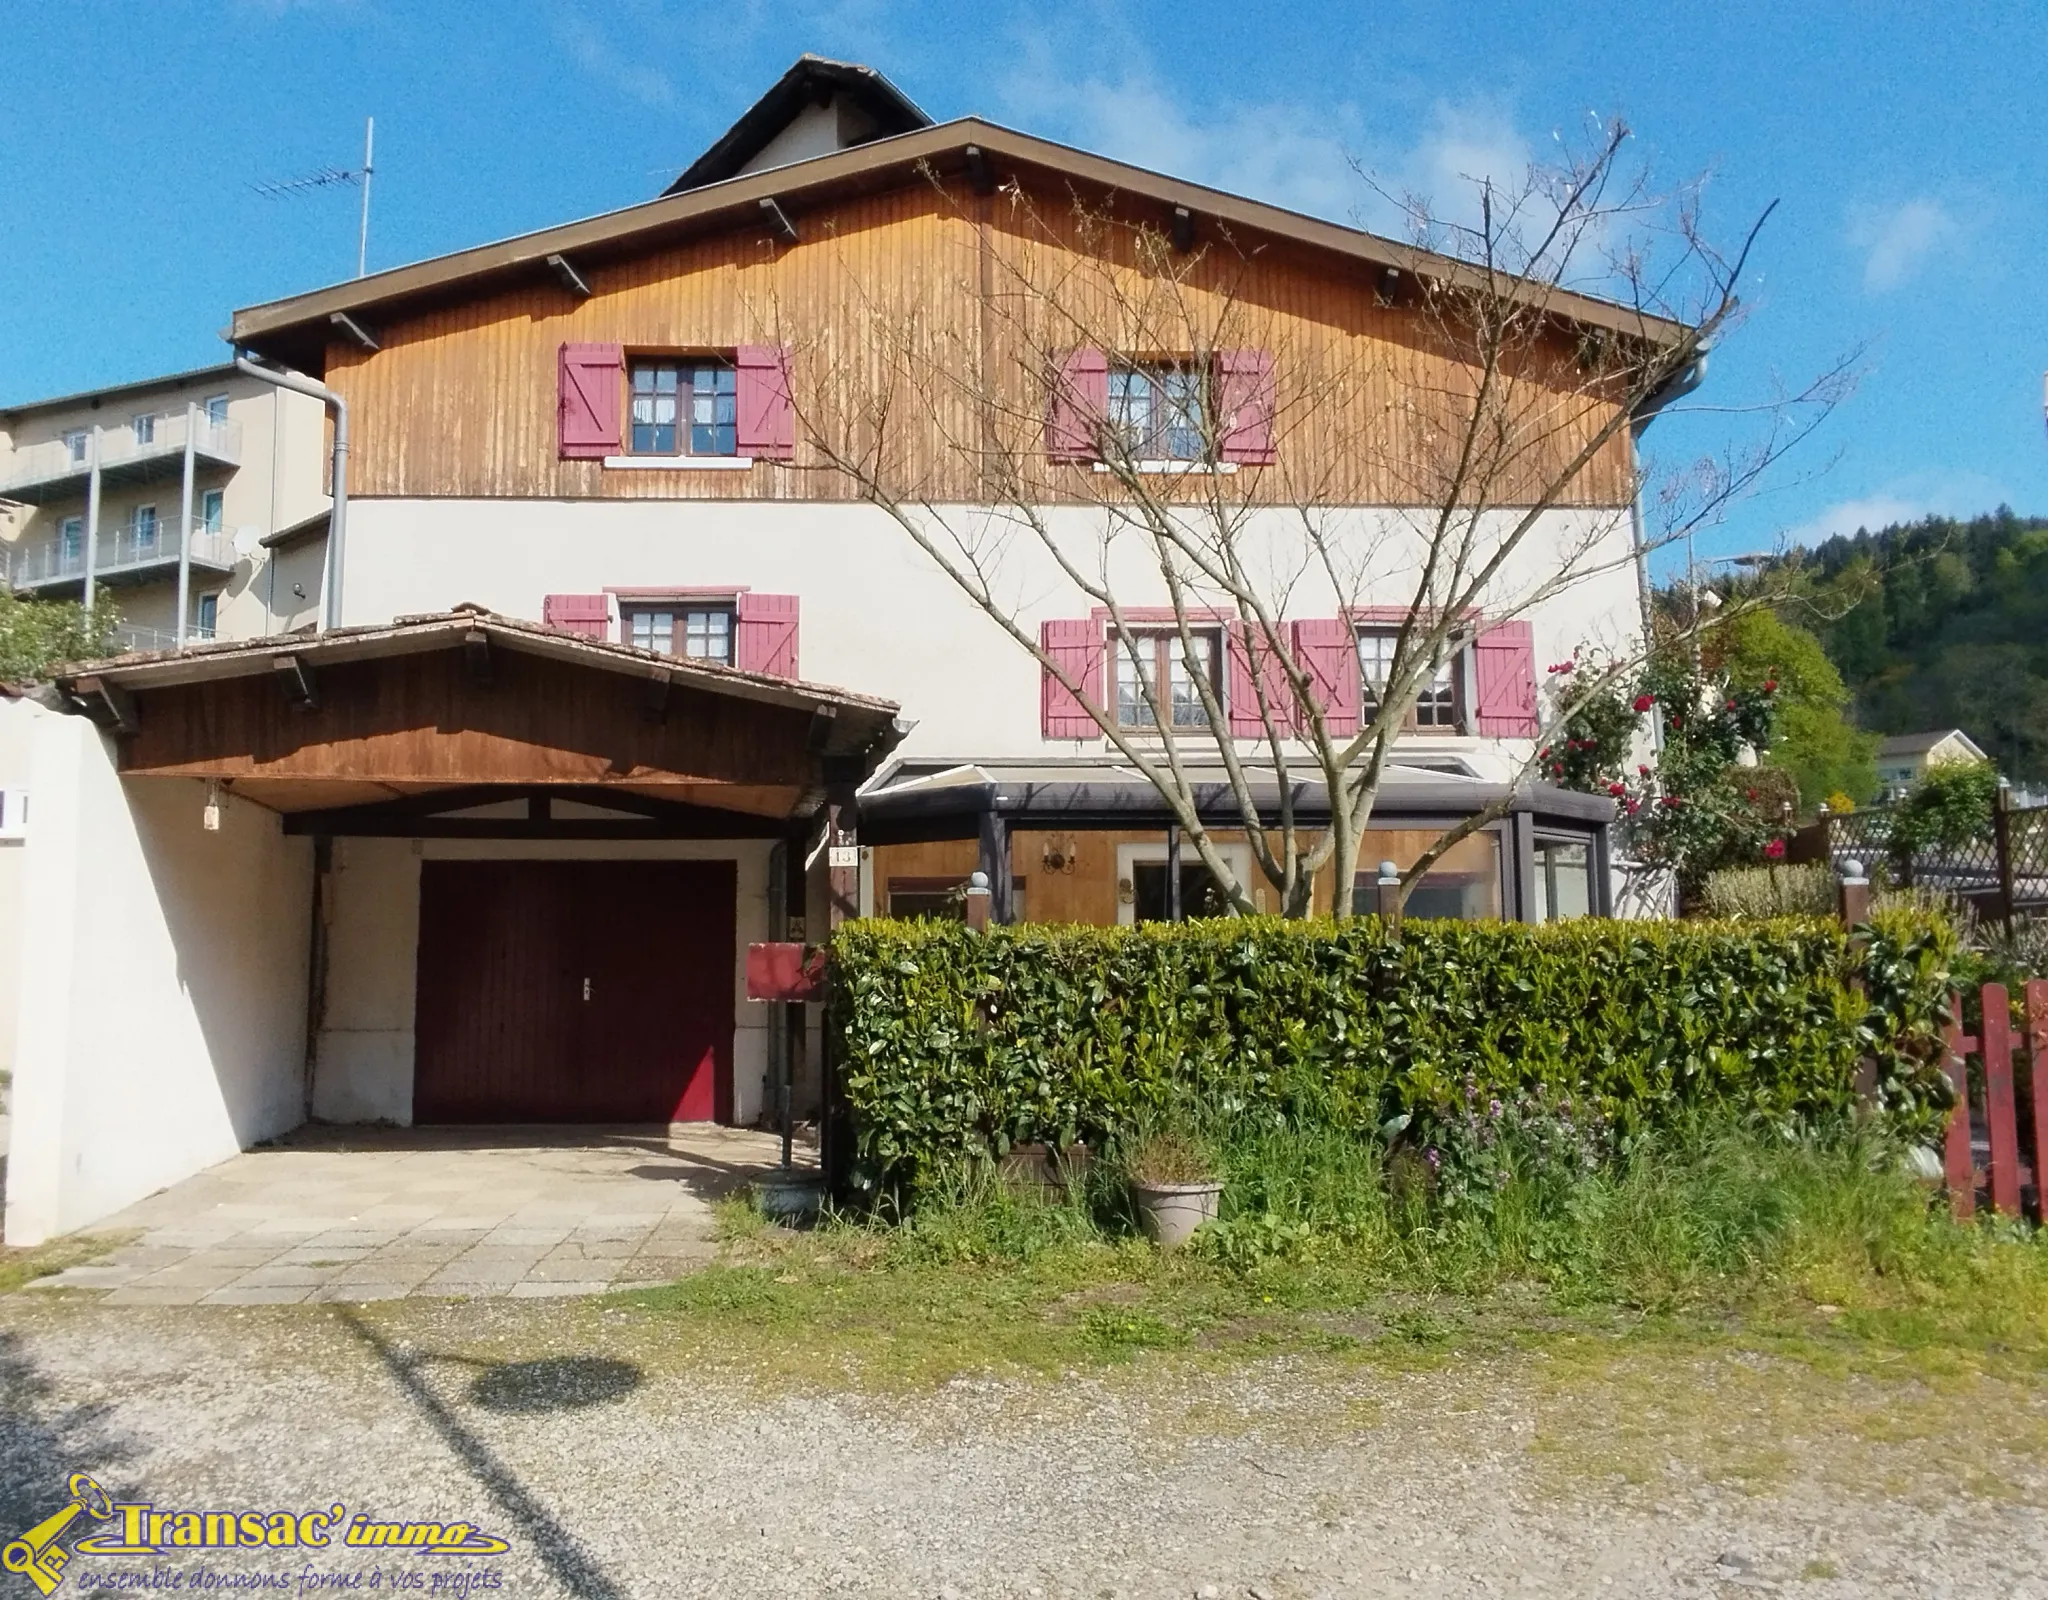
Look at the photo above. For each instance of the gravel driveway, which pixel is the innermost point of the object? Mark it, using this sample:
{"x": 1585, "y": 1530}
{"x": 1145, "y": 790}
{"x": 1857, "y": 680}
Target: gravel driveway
{"x": 561, "y": 1426}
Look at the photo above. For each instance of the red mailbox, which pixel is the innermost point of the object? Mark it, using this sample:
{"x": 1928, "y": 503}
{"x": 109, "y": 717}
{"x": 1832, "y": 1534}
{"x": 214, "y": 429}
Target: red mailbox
{"x": 785, "y": 972}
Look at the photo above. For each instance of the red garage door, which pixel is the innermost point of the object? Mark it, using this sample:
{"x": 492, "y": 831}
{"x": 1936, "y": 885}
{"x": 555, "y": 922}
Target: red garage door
{"x": 575, "y": 991}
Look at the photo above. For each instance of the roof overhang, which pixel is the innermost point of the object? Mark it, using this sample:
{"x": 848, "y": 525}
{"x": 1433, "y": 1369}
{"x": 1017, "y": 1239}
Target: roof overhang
{"x": 468, "y": 700}
{"x": 297, "y": 330}
{"x": 1092, "y": 796}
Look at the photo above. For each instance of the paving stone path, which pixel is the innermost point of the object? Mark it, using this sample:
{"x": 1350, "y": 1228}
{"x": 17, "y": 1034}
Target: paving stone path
{"x": 352, "y": 1215}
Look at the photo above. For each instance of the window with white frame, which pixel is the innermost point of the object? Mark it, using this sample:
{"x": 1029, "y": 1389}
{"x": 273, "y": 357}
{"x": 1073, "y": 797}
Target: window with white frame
{"x": 71, "y": 539}
{"x": 208, "y": 618}
{"x": 681, "y": 628}
{"x": 1436, "y": 706}
{"x": 1150, "y": 657}
{"x": 216, "y": 409}
{"x": 1157, "y": 409}
{"x": 145, "y": 428}
{"x": 144, "y": 529}
{"x": 75, "y": 443}
{"x": 211, "y": 502}
{"x": 686, "y": 408}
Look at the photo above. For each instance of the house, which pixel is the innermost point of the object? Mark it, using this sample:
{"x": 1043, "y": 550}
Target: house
{"x": 620, "y": 675}
{"x": 1903, "y": 758}
{"x": 212, "y": 482}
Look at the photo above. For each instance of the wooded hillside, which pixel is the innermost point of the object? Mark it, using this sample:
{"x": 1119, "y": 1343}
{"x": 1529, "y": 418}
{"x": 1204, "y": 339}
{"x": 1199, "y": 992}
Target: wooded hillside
{"x": 1940, "y": 624}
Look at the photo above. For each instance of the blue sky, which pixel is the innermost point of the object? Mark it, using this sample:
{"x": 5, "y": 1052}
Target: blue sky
{"x": 1907, "y": 146}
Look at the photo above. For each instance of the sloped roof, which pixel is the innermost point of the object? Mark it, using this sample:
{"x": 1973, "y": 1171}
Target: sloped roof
{"x": 813, "y": 81}
{"x": 297, "y": 329}
{"x": 1917, "y": 744}
{"x": 440, "y": 630}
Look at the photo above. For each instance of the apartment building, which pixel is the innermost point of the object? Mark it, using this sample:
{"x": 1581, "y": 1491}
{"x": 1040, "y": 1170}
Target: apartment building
{"x": 209, "y": 480}
{"x": 626, "y": 676}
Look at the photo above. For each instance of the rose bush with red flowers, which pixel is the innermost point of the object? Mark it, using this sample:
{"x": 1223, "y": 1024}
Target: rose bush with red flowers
{"x": 1695, "y": 810}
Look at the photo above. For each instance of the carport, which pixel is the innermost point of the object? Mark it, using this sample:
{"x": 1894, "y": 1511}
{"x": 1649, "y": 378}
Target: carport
{"x": 459, "y": 869}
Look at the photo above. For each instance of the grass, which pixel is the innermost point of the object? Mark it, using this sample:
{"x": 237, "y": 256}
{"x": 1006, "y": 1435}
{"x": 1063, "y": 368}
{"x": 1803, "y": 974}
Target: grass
{"x": 1819, "y": 1254}
{"x": 19, "y": 1267}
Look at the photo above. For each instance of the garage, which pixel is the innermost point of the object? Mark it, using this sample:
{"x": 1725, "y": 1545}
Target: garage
{"x": 575, "y": 991}
{"x": 456, "y": 868}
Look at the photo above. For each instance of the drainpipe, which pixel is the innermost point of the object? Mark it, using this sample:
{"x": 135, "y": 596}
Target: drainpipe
{"x": 185, "y": 524}
{"x": 92, "y": 521}
{"x": 337, "y": 518}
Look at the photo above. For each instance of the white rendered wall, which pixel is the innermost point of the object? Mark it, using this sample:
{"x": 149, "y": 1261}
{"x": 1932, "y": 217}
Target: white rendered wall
{"x": 877, "y": 613}
{"x": 163, "y": 986}
{"x": 364, "y": 1061}
{"x": 17, "y": 739}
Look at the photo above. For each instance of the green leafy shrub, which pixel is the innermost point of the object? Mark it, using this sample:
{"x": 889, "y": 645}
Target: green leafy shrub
{"x": 956, "y": 1045}
{"x": 1947, "y": 808}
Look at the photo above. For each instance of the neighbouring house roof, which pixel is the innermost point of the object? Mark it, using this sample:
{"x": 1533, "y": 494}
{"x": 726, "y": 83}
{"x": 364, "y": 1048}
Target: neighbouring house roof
{"x": 1918, "y": 744}
{"x": 297, "y": 329}
{"x": 813, "y": 81}
{"x": 170, "y": 380}
{"x": 304, "y": 531}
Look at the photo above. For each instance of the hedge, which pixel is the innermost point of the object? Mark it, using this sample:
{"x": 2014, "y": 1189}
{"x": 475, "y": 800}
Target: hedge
{"x": 956, "y": 1045}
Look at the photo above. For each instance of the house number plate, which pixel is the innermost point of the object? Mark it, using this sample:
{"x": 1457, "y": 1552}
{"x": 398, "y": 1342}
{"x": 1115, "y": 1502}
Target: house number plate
{"x": 843, "y": 855}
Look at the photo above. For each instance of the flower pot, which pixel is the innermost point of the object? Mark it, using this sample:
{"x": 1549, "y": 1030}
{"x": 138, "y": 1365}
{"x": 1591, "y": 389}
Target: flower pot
{"x": 1171, "y": 1212}
{"x": 791, "y": 1194}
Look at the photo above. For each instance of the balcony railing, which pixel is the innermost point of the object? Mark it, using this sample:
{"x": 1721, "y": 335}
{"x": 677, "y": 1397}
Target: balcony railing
{"x": 35, "y": 471}
{"x": 124, "y": 549}
{"x": 127, "y": 638}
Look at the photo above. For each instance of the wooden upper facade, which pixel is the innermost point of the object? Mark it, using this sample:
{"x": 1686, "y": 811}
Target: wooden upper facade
{"x": 930, "y": 276}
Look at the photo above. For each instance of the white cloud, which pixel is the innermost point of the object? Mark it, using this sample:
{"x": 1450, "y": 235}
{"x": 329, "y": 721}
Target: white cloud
{"x": 1906, "y": 500}
{"x": 591, "y": 51}
{"x": 1896, "y": 241}
{"x": 1470, "y": 145}
{"x": 1316, "y": 159}
{"x": 1276, "y": 153}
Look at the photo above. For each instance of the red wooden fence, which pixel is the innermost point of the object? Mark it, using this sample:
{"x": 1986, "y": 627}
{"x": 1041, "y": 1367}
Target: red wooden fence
{"x": 1998, "y": 1111}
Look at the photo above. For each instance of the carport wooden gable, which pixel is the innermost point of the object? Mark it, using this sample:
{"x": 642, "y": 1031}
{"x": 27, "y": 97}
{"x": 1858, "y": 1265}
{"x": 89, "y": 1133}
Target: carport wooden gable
{"x": 448, "y": 713}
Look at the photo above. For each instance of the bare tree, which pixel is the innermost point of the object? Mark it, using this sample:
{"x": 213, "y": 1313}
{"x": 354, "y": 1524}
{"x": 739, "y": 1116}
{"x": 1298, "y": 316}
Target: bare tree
{"x": 1466, "y": 459}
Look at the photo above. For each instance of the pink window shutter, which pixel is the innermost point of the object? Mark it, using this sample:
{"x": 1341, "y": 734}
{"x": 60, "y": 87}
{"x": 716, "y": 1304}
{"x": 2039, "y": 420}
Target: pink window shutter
{"x": 1077, "y": 407}
{"x": 587, "y": 614}
{"x": 1245, "y": 407}
{"x": 766, "y": 635}
{"x": 587, "y": 400}
{"x": 1504, "y": 677}
{"x": 1249, "y": 650}
{"x": 766, "y": 410}
{"x": 1077, "y": 646}
{"x": 1327, "y": 648}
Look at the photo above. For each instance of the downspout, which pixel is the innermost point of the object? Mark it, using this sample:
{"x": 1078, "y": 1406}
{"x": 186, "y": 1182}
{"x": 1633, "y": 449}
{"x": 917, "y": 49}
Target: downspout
{"x": 337, "y": 517}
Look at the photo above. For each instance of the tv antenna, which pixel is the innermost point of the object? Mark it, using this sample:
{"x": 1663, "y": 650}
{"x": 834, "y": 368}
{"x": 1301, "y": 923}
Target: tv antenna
{"x": 334, "y": 178}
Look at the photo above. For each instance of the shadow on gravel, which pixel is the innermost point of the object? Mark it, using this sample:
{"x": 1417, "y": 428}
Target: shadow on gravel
{"x": 573, "y": 1567}
{"x": 42, "y": 1443}
{"x": 557, "y": 1383}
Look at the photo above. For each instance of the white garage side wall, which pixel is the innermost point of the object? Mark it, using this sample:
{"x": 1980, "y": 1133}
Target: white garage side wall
{"x": 877, "y": 614}
{"x": 163, "y": 985}
{"x": 364, "y": 1064}
{"x": 17, "y": 737}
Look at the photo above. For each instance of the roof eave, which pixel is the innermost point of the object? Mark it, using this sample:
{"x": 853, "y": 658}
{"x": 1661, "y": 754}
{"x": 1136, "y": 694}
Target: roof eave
{"x": 419, "y": 635}
{"x": 269, "y": 326}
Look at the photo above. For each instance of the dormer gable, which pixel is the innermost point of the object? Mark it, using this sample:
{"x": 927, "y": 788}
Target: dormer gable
{"x": 815, "y": 108}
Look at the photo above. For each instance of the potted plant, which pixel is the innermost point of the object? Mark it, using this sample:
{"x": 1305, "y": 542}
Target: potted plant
{"x": 1173, "y": 1184}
